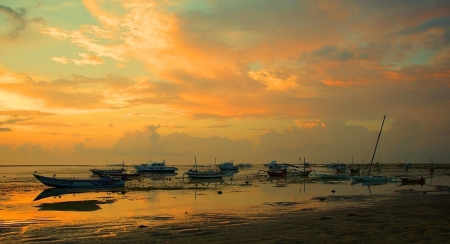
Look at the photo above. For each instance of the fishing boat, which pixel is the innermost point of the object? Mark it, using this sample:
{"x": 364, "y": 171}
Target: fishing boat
{"x": 204, "y": 171}
{"x": 277, "y": 172}
{"x": 373, "y": 177}
{"x": 304, "y": 172}
{"x": 155, "y": 167}
{"x": 110, "y": 168}
{"x": 413, "y": 180}
{"x": 354, "y": 169}
{"x": 83, "y": 183}
{"x": 228, "y": 166}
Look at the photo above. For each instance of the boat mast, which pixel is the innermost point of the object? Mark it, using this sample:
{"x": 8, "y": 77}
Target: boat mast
{"x": 375, "y": 150}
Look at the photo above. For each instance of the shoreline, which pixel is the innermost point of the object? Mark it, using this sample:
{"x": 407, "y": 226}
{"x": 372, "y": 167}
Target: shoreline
{"x": 406, "y": 216}
{"x": 410, "y": 216}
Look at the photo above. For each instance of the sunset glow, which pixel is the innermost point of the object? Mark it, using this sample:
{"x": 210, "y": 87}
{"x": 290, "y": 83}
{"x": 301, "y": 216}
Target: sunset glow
{"x": 100, "y": 82}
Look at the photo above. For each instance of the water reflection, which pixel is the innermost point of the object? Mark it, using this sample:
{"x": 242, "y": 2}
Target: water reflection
{"x": 202, "y": 183}
{"x": 59, "y": 192}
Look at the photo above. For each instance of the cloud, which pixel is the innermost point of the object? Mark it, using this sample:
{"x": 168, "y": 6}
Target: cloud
{"x": 2, "y": 129}
{"x": 30, "y": 149}
{"x": 16, "y": 22}
{"x": 61, "y": 60}
{"x": 88, "y": 59}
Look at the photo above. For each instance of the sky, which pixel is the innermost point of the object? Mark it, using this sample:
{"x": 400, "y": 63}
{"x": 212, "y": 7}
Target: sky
{"x": 105, "y": 82}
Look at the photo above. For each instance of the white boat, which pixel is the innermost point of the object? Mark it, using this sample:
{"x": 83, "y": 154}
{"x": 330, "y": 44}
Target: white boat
{"x": 228, "y": 166}
{"x": 81, "y": 183}
{"x": 372, "y": 177}
{"x": 155, "y": 167}
{"x": 204, "y": 171}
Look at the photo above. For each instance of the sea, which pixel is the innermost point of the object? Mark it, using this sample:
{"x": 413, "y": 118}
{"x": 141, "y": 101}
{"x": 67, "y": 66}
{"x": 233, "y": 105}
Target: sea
{"x": 155, "y": 200}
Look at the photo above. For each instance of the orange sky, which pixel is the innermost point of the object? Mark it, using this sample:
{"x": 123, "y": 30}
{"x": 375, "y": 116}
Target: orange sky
{"x": 99, "y": 82}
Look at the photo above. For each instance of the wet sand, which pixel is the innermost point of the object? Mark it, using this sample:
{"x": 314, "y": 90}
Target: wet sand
{"x": 407, "y": 217}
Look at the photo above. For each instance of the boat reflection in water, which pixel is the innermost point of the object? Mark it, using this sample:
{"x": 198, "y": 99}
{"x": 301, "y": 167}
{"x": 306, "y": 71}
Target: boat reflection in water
{"x": 202, "y": 183}
{"x": 58, "y": 192}
{"x": 159, "y": 176}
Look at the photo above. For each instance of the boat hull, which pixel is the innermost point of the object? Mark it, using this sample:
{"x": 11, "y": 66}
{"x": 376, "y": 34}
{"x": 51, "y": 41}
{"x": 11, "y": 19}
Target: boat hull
{"x": 370, "y": 178}
{"x": 106, "y": 171}
{"x": 79, "y": 183}
{"x": 205, "y": 175}
{"x": 156, "y": 170}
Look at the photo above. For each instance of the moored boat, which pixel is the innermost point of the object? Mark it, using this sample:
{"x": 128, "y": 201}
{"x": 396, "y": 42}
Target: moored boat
{"x": 228, "y": 166}
{"x": 204, "y": 171}
{"x": 84, "y": 183}
{"x": 412, "y": 180}
{"x": 155, "y": 167}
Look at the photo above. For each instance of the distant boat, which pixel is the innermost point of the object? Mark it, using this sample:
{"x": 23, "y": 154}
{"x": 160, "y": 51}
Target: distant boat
{"x": 204, "y": 171}
{"x": 155, "y": 167}
{"x": 275, "y": 164}
{"x": 228, "y": 166}
{"x": 354, "y": 169}
{"x": 412, "y": 180}
{"x": 369, "y": 177}
{"x": 82, "y": 183}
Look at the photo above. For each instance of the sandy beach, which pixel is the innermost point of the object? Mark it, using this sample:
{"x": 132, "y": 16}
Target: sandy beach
{"x": 409, "y": 216}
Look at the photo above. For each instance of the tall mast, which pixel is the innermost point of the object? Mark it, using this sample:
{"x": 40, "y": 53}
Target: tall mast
{"x": 374, "y": 151}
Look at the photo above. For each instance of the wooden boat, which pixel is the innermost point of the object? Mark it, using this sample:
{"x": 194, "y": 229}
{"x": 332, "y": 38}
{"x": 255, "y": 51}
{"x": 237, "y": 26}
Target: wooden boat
{"x": 83, "y": 183}
{"x": 277, "y": 172}
{"x": 204, "y": 172}
{"x": 369, "y": 177}
{"x": 412, "y": 180}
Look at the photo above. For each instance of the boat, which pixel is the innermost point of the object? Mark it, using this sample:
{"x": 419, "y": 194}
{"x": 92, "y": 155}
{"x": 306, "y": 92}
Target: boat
{"x": 277, "y": 172}
{"x": 354, "y": 169}
{"x": 373, "y": 177}
{"x": 228, "y": 166}
{"x": 304, "y": 172}
{"x": 204, "y": 171}
{"x": 412, "y": 180}
{"x": 110, "y": 168}
{"x": 155, "y": 167}
{"x": 275, "y": 164}
{"x": 83, "y": 183}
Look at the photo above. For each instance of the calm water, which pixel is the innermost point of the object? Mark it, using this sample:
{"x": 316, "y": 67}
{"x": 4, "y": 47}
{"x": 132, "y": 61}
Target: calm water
{"x": 154, "y": 199}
